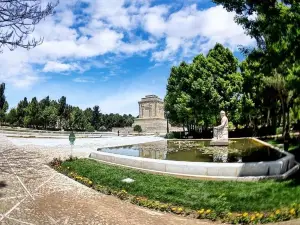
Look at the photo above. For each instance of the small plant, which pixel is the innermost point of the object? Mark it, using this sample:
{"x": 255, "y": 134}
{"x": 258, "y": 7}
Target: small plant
{"x": 137, "y": 128}
{"x": 56, "y": 162}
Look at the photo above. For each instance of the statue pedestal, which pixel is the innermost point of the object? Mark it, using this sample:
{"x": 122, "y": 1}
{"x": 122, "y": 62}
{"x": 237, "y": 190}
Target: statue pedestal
{"x": 219, "y": 142}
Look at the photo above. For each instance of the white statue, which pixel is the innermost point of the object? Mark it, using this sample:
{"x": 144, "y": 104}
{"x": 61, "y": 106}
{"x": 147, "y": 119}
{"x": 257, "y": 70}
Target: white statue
{"x": 221, "y": 131}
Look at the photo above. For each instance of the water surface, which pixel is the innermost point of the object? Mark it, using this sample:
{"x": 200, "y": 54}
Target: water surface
{"x": 239, "y": 150}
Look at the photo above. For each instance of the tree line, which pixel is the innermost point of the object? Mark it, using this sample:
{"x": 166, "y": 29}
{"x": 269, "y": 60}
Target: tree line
{"x": 261, "y": 91}
{"x": 54, "y": 115}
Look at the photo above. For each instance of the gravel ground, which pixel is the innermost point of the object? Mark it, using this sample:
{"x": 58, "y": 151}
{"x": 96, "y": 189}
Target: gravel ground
{"x": 33, "y": 193}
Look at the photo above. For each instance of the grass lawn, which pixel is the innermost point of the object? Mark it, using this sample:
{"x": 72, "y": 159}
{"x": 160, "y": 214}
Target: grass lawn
{"x": 194, "y": 194}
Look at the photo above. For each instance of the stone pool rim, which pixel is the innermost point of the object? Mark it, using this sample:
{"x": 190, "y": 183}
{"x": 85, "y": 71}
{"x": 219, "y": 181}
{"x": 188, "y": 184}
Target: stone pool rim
{"x": 250, "y": 171}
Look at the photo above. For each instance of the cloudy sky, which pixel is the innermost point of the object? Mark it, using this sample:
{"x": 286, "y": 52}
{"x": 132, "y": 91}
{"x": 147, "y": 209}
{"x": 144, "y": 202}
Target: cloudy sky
{"x": 114, "y": 52}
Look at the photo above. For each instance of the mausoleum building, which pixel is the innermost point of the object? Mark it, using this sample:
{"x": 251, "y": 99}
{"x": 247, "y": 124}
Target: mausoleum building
{"x": 151, "y": 115}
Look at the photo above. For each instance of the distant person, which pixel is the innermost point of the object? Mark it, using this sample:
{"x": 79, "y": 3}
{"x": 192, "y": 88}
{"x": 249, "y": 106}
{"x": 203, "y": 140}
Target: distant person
{"x": 118, "y": 133}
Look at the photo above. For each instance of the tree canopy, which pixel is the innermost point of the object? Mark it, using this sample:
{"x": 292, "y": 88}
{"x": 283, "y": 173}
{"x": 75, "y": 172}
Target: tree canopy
{"x": 197, "y": 92}
{"x": 52, "y": 114}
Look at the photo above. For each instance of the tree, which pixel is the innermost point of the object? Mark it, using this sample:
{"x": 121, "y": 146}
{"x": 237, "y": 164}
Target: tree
{"x": 62, "y": 106}
{"x": 275, "y": 27}
{"x": 286, "y": 96}
{"x": 197, "y": 92}
{"x": 12, "y": 117}
{"x": 18, "y": 19}
{"x": 49, "y": 116}
{"x": 178, "y": 98}
{"x": 78, "y": 121}
{"x": 32, "y": 113}
{"x": 96, "y": 119}
{"x": 3, "y": 103}
{"x": 21, "y": 111}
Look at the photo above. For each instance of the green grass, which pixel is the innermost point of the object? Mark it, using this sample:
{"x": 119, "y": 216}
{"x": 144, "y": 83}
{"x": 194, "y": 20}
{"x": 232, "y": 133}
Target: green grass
{"x": 278, "y": 142}
{"x": 194, "y": 194}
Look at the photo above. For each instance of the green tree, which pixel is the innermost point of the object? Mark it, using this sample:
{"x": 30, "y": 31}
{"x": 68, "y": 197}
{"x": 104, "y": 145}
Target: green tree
{"x": 78, "y": 121}
{"x": 62, "y": 106}
{"x": 21, "y": 111}
{"x": 286, "y": 96}
{"x": 32, "y": 113}
{"x": 275, "y": 27}
{"x": 3, "y": 103}
{"x": 12, "y": 117}
{"x": 49, "y": 116}
{"x": 197, "y": 92}
{"x": 96, "y": 118}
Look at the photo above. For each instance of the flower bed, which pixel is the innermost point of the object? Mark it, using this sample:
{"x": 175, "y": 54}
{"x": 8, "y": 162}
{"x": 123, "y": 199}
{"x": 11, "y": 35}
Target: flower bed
{"x": 224, "y": 215}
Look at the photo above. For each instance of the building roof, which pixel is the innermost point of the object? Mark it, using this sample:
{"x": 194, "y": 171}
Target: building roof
{"x": 151, "y": 98}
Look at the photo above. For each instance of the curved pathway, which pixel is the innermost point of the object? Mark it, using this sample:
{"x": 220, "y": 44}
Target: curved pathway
{"x": 33, "y": 193}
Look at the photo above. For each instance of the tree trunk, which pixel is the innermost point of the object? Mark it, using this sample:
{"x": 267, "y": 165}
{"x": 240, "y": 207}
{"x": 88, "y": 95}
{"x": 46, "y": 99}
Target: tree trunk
{"x": 287, "y": 131}
{"x": 268, "y": 117}
{"x": 283, "y": 118}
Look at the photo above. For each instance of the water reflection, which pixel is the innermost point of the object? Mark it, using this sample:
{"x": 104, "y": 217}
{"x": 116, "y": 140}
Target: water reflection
{"x": 242, "y": 150}
{"x": 220, "y": 154}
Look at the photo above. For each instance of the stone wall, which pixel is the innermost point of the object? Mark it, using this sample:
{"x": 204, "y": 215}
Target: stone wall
{"x": 122, "y": 130}
{"x": 152, "y": 125}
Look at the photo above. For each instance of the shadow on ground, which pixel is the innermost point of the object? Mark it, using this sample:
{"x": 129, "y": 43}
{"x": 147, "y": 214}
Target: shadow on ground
{"x": 2, "y": 185}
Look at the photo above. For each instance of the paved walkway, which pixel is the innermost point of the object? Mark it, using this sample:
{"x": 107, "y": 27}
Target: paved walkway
{"x": 33, "y": 193}
{"x": 36, "y": 194}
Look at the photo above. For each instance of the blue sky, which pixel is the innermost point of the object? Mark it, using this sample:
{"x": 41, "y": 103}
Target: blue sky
{"x": 113, "y": 53}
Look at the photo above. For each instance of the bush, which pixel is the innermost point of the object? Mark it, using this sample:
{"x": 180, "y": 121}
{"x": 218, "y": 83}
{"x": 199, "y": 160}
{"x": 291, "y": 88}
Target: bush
{"x": 137, "y": 128}
{"x": 170, "y": 135}
{"x": 279, "y": 130}
{"x": 90, "y": 128}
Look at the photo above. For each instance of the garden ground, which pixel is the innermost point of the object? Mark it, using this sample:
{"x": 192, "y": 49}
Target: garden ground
{"x": 32, "y": 193}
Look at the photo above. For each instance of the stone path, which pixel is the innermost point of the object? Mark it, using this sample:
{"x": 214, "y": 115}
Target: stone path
{"x": 36, "y": 194}
{"x": 33, "y": 193}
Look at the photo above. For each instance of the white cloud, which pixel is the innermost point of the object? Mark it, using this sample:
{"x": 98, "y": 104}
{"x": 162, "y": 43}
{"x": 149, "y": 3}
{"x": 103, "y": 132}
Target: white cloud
{"x": 52, "y": 66}
{"x": 154, "y": 20}
{"x": 190, "y": 30}
{"x": 72, "y": 39}
{"x": 84, "y": 80}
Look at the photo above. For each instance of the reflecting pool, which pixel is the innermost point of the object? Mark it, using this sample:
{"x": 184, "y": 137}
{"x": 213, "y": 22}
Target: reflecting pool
{"x": 238, "y": 150}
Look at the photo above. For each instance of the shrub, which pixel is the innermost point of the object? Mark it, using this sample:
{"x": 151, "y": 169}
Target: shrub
{"x": 56, "y": 162}
{"x": 279, "y": 130}
{"x": 137, "y": 128}
{"x": 170, "y": 135}
{"x": 90, "y": 128}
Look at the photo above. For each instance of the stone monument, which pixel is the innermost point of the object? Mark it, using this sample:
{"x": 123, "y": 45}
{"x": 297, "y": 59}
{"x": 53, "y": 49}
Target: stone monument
{"x": 151, "y": 115}
{"x": 221, "y": 132}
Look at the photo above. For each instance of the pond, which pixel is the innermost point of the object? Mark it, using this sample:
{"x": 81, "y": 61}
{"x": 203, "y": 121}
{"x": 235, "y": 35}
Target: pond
{"x": 238, "y": 150}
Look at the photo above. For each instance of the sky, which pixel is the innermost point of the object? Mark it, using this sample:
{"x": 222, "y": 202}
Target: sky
{"x": 112, "y": 53}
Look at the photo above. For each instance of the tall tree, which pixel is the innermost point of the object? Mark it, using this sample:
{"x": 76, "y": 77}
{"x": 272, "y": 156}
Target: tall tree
{"x": 3, "y": 103}
{"x": 49, "y": 116}
{"x": 197, "y": 92}
{"x": 21, "y": 111}
{"x": 275, "y": 27}
{"x": 18, "y": 19}
{"x": 32, "y": 113}
{"x": 96, "y": 119}
{"x": 62, "y": 105}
